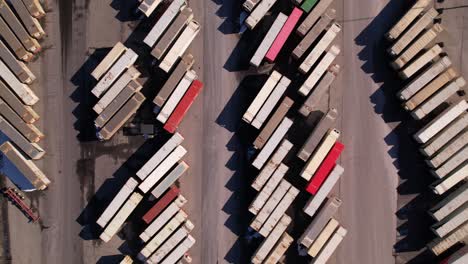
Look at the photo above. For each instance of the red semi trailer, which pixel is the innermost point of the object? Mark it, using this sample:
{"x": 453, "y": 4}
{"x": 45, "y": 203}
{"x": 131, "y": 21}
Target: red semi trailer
{"x": 168, "y": 197}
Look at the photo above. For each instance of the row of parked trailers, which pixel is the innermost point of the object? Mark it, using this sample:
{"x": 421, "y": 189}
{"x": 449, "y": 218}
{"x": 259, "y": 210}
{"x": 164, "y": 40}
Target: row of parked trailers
{"x": 270, "y": 113}
{"x": 20, "y": 33}
{"x": 432, "y": 85}
{"x": 119, "y": 88}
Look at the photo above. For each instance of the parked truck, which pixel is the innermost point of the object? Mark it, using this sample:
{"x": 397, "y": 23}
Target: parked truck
{"x": 314, "y": 33}
{"x": 31, "y": 24}
{"x": 283, "y": 35}
{"x": 259, "y": 12}
{"x": 174, "y": 30}
{"x": 425, "y": 58}
{"x": 271, "y": 184}
{"x": 159, "y": 156}
{"x": 272, "y": 143}
{"x": 449, "y": 150}
{"x": 407, "y": 19}
{"x": 455, "y": 177}
{"x": 268, "y": 40}
{"x": 172, "y": 242}
{"x": 147, "y": 7}
{"x": 163, "y": 22}
{"x": 180, "y": 250}
{"x": 13, "y": 42}
{"x": 29, "y": 131}
{"x": 320, "y": 48}
{"x": 420, "y": 43}
{"x": 122, "y": 116}
{"x": 326, "y": 233}
{"x": 24, "y": 111}
{"x": 280, "y": 249}
{"x": 270, "y": 205}
{"x": 440, "y": 245}
{"x": 453, "y": 162}
{"x": 445, "y": 135}
{"x": 422, "y": 23}
{"x": 316, "y": 201}
{"x": 319, "y": 222}
{"x": 319, "y": 70}
{"x": 184, "y": 65}
{"x": 457, "y": 218}
{"x": 109, "y": 60}
{"x": 323, "y": 86}
{"x": 272, "y": 165}
{"x": 33, "y": 150}
{"x": 163, "y": 218}
{"x": 117, "y": 202}
{"x": 171, "y": 178}
{"x": 178, "y": 153}
{"x": 430, "y": 89}
{"x": 271, "y": 102}
{"x": 180, "y": 46}
{"x": 441, "y": 121}
{"x": 176, "y": 96}
{"x": 331, "y": 246}
{"x": 279, "y": 211}
{"x": 264, "y": 249}
{"x": 450, "y": 203}
{"x": 161, "y": 204}
{"x": 437, "y": 99}
{"x": 261, "y": 97}
{"x": 313, "y": 17}
{"x": 20, "y": 89}
{"x": 320, "y": 153}
{"x": 121, "y": 216}
{"x": 182, "y": 108}
{"x": 273, "y": 123}
{"x": 19, "y": 69}
{"x": 29, "y": 170}
{"x": 424, "y": 78}
{"x": 327, "y": 121}
{"x": 132, "y": 87}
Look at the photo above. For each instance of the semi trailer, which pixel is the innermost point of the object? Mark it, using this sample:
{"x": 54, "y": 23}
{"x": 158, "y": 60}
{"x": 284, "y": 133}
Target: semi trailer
{"x": 268, "y": 40}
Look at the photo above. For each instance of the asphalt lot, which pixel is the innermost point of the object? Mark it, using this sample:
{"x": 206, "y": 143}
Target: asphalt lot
{"x": 86, "y": 173}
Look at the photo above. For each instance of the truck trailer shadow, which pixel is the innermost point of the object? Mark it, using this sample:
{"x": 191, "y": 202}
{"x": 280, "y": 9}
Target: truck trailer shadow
{"x": 128, "y": 10}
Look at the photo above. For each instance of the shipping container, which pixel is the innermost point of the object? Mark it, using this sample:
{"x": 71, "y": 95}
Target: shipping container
{"x": 272, "y": 143}
{"x": 283, "y": 35}
{"x": 162, "y": 169}
{"x": 172, "y": 242}
{"x": 440, "y": 245}
{"x": 280, "y": 249}
{"x": 450, "y": 203}
{"x": 29, "y": 131}
{"x": 449, "y": 150}
{"x": 316, "y": 201}
{"x": 313, "y": 34}
{"x": 455, "y": 177}
{"x": 453, "y": 162}
{"x": 163, "y": 218}
{"x": 258, "y": 13}
{"x": 454, "y": 220}
{"x": 271, "y": 184}
{"x": 407, "y": 19}
{"x": 271, "y": 102}
{"x": 272, "y": 164}
{"x": 122, "y": 116}
{"x": 327, "y": 122}
{"x": 109, "y": 60}
{"x": 326, "y": 233}
{"x": 26, "y": 167}
{"x": 279, "y": 211}
{"x": 33, "y": 150}
{"x": 148, "y": 6}
{"x": 180, "y": 250}
{"x": 313, "y": 17}
{"x": 314, "y": 98}
{"x": 428, "y": 90}
{"x": 18, "y": 68}
{"x": 427, "y": 57}
{"x": 319, "y": 70}
{"x": 268, "y": 40}
{"x": 174, "y": 30}
{"x": 320, "y": 47}
{"x": 162, "y": 203}
{"x": 24, "y": 111}
{"x": 320, "y": 153}
{"x": 159, "y": 156}
{"x": 35, "y": 8}
{"x": 261, "y": 97}
{"x": 331, "y": 246}
{"x": 180, "y": 46}
{"x": 132, "y": 87}
{"x": 117, "y": 202}
{"x": 423, "y": 22}
{"x": 20, "y": 89}
{"x": 308, "y": 5}
{"x": 31, "y": 24}
{"x": 171, "y": 178}
{"x": 122, "y": 63}
{"x": 273, "y": 122}
{"x": 121, "y": 216}
{"x": 424, "y": 78}
{"x": 163, "y": 22}
{"x": 319, "y": 222}
{"x": 266, "y": 246}
{"x": 420, "y": 43}
{"x": 13, "y": 42}
{"x": 184, "y": 65}
{"x": 441, "y": 121}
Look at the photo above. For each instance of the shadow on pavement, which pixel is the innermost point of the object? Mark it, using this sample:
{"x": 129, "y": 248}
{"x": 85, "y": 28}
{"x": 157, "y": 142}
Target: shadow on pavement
{"x": 114, "y": 259}
{"x": 230, "y": 11}
{"x": 128, "y": 10}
